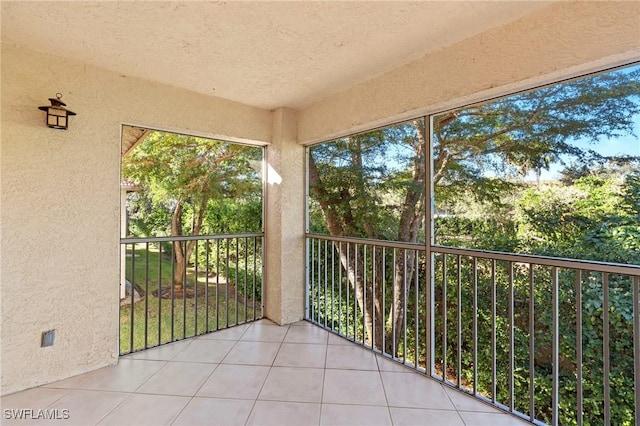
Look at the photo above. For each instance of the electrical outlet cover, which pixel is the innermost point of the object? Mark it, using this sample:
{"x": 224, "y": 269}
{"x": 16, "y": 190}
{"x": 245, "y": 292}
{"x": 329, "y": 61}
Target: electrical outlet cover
{"x": 48, "y": 337}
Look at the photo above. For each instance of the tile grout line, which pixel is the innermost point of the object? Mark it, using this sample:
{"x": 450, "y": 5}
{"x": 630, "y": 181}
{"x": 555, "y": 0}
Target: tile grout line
{"x": 67, "y": 391}
{"x": 209, "y": 376}
{"x": 189, "y": 397}
{"x": 132, "y": 392}
{"x": 166, "y": 363}
{"x": 114, "y": 408}
{"x": 324, "y": 377}
{"x": 452, "y": 403}
{"x": 255, "y": 401}
{"x": 384, "y": 389}
{"x": 152, "y": 375}
{"x": 195, "y": 393}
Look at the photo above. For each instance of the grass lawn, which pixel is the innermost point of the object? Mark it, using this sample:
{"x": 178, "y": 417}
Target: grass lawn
{"x": 157, "y": 321}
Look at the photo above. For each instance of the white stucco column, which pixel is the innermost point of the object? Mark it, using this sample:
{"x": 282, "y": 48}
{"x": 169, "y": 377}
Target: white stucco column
{"x": 284, "y": 227}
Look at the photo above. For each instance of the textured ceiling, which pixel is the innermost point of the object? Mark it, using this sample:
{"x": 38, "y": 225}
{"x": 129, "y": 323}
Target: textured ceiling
{"x": 265, "y": 54}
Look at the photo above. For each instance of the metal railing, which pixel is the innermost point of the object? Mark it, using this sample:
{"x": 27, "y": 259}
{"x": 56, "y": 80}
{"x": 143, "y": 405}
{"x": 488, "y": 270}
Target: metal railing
{"x": 180, "y": 287}
{"x": 553, "y": 341}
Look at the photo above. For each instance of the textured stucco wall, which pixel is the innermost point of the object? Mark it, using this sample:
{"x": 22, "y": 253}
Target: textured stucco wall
{"x": 562, "y": 40}
{"x": 60, "y": 201}
{"x": 59, "y": 194}
{"x": 284, "y": 298}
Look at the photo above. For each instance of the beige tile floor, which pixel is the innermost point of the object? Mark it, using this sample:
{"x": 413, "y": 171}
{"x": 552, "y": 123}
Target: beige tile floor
{"x": 256, "y": 374}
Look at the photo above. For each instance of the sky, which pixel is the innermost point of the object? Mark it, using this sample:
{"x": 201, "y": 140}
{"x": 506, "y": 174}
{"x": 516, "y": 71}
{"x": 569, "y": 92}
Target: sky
{"x": 624, "y": 146}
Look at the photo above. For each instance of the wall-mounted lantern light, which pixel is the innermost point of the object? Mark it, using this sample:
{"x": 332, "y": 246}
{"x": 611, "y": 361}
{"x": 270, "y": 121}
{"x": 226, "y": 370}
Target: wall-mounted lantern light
{"x": 57, "y": 114}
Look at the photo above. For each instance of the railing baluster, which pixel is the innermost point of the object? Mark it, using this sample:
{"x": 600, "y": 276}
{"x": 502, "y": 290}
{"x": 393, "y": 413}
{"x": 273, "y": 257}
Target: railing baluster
{"x": 370, "y": 263}
{"x": 226, "y": 287}
{"x": 404, "y": 307}
{"x": 555, "y": 357}
{"x": 348, "y": 287}
{"x": 207, "y": 271}
{"x": 333, "y": 284}
{"x": 340, "y": 289}
{"x": 146, "y": 296}
{"x": 235, "y": 283}
{"x": 168, "y": 323}
{"x": 195, "y": 295}
{"x": 245, "y": 279}
{"x": 319, "y": 279}
{"x": 325, "y": 282}
{"x": 133, "y": 290}
{"x": 429, "y": 309}
{"x": 532, "y": 357}
{"x": 384, "y": 305}
{"x": 475, "y": 325}
{"x": 364, "y": 293}
{"x": 511, "y": 340}
{"x": 459, "y": 320}
{"x": 636, "y": 344}
{"x": 355, "y": 293}
{"x": 312, "y": 278}
{"x": 394, "y": 314}
{"x": 493, "y": 332}
{"x": 605, "y": 347}
{"x": 159, "y": 293}
{"x": 308, "y": 291}
{"x": 444, "y": 317}
{"x": 374, "y": 250}
{"x": 184, "y": 291}
{"x": 217, "y": 284}
{"x": 416, "y": 303}
{"x": 579, "y": 389}
{"x": 255, "y": 278}
{"x": 172, "y": 291}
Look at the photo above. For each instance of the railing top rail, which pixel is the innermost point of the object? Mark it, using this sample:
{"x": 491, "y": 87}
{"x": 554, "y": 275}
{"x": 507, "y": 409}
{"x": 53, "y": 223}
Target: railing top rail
{"x": 189, "y": 238}
{"x": 355, "y": 240}
{"x": 586, "y": 265}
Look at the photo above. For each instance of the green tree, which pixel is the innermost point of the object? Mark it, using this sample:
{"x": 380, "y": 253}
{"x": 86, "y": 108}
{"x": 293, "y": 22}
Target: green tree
{"x": 372, "y": 186}
{"x": 479, "y": 151}
{"x": 595, "y": 218}
{"x": 180, "y": 175}
{"x": 528, "y": 131}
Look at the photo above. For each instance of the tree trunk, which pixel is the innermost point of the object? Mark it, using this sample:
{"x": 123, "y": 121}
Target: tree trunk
{"x": 372, "y": 311}
{"x": 176, "y": 231}
{"x": 377, "y": 332}
{"x": 183, "y": 250}
{"x": 411, "y": 220}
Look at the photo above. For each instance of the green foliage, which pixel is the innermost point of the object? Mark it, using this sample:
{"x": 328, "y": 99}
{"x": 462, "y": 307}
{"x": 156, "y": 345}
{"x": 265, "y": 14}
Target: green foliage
{"x": 235, "y": 260}
{"x": 486, "y": 233}
{"x": 529, "y": 131}
{"x": 359, "y": 184}
{"x": 230, "y": 216}
{"x": 481, "y": 155}
{"x": 146, "y": 218}
{"x": 194, "y": 174}
{"x": 596, "y": 218}
{"x": 194, "y": 186}
{"x": 163, "y": 320}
